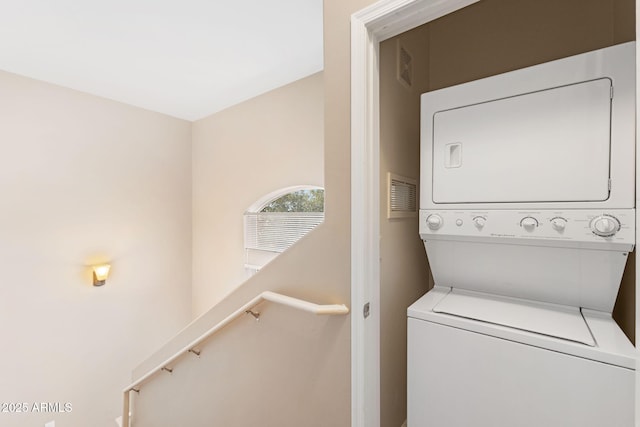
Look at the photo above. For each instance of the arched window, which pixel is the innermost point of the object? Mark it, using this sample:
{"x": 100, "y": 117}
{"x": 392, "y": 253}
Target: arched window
{"x": 278, "y": 220}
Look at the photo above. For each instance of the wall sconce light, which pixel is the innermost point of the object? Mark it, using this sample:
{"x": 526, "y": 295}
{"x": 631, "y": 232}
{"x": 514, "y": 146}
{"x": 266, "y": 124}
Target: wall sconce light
{"x": 100, "y": 274}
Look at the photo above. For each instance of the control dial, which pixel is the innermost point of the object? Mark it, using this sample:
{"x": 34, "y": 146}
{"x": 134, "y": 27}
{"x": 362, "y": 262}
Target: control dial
{"x": 529, "y": 223}
{"x": 479, "y": 222}
{"x": 434, "y": 221}
{"x": 558, "y": 224}
{"x": 605, "y": 225}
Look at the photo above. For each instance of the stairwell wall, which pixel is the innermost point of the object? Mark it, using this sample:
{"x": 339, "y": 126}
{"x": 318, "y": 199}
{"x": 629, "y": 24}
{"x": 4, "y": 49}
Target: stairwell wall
{"x": 317, "y": 268}
{"x": 87, "y": 180}
{"x": 240, "y": 154}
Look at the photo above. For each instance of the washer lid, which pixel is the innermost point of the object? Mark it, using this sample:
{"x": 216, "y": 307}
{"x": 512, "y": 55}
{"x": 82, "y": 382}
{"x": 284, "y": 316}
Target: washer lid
{"x": 548, "y": 319}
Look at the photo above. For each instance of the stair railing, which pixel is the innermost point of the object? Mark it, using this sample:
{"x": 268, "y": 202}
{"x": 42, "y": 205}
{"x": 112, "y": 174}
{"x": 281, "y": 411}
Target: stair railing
{"x": 192, "y": 347}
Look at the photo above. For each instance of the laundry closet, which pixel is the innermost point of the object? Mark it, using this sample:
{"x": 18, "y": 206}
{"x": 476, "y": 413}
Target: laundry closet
{"x": 488, "y": 38}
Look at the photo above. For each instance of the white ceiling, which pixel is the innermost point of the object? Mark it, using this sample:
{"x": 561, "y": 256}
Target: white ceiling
{"x": 185, "y": 58}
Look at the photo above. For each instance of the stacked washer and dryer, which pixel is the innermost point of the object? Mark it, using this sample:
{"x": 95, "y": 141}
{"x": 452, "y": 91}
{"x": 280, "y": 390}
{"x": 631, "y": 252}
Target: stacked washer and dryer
{"x": 527, "y": 216}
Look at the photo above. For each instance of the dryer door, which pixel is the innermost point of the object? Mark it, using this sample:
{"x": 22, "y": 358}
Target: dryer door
{"x": 546, "y": 146}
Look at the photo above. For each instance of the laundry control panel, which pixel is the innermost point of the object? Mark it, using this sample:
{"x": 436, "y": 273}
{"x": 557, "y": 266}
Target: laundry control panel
{"x": 580, "y": 226}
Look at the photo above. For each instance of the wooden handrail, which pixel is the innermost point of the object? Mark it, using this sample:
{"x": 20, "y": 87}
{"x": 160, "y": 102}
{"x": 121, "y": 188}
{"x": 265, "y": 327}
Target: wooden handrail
{"x": 330, "y": 309}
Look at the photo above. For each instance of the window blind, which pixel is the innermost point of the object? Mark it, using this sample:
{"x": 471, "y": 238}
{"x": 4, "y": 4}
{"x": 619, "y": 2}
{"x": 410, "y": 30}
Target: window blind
{"x": 276, "y": 231}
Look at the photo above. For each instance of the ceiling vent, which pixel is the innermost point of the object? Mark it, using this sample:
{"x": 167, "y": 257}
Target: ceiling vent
{"x": 402, "y": 199}
{"x": 405, "y": 66}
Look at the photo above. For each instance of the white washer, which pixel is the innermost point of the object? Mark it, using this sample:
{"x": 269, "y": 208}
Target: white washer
{"x": 465, "y": 372}
{"x": 527, "y": 215}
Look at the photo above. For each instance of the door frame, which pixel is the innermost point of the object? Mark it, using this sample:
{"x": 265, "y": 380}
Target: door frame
{"x": 369, "y": 27}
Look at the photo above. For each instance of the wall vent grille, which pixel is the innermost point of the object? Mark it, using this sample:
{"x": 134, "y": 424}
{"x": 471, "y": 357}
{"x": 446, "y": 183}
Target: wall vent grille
{"x": 402, "y": 196}
{"x": 405, "y": 66}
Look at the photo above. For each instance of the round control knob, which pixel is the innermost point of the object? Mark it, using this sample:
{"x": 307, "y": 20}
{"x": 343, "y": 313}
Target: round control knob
{"x": 434, "y": 221}
{"x": 605, "y": 225}
{"x": 529, "y": 223}
{"x": 479, "y": 222}
{"x": 559, "y": 224}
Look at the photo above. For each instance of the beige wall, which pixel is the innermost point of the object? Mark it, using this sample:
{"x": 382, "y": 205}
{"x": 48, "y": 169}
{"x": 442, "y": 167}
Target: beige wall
{"x": 291, "y": 369}
{"x": 318, "y": 269}
{"x": 487, "y": 38}
{"x": 281, "y": 371}
{"x": 241, "y": 154}
{"x": 496, "y": 36}
{"x": 84, "y": 180}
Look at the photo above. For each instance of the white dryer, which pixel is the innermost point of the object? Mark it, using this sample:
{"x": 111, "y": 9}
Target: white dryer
{"x": 527, "y": 215}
